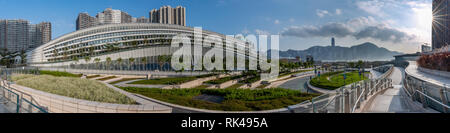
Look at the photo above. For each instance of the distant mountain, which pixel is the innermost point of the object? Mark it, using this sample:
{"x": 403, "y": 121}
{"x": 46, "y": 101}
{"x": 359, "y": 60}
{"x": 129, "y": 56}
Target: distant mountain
{"x": 366, "y": 51}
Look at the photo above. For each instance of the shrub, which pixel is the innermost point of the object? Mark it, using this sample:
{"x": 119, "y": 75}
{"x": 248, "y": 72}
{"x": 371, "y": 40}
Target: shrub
{"x": 59, "y": 74}
{"x": 437, "y": 61}
{"x": 73, "y": 87}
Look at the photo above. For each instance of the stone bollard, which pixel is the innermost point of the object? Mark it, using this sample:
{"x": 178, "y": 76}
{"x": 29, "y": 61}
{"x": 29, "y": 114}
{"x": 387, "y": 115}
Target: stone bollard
{"x": 337, "y": 102}
{"x": 346, "y": 102}
{"x": 358, "y": 93}
{"x": 444, "y": 99}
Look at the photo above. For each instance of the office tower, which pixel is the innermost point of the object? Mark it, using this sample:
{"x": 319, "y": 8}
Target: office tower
{"x": 441, "y": 24}
{"x": 20, "y": 35}
{"x": 333, "y": 43}
{"x": 84, "y": 21}
{"x": 169, "y": 15}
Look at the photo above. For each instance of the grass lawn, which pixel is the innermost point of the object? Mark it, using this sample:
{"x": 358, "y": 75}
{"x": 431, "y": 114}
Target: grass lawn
{"x": 336, "y": 80}
{"x": 59, "y": 74}
{"x": 73, "y": 87}
{"x": 170, "y": 81}
{"x": 234, "y": 99}
{"x": 123, "y": 80}
{"x": 235, "y": 86}
{"x": 225, "y": 79}
{"x": 107, "y": 78}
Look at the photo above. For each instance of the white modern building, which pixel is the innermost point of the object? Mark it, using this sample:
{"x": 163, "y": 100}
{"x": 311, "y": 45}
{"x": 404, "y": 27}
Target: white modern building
{"x": 127, "y": 46}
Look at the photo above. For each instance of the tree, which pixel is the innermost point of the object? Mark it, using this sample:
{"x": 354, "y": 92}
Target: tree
{"x": 162, "y": 59}
{"x": 87, "y": 59}
{"x": 108, "y": 62}
{"x": 119, "y": 61}
{"x": 144, "y": 61}
{"x": 96, "y": 60}
{"x": 76, "y": 60}
{"x": 131, "y": 61}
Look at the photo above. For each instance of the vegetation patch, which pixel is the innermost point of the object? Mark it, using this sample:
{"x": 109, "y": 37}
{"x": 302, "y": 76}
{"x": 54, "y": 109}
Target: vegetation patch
{"x": 171, "y": 81}
{"x": 337, "y": 79}
{"x": 233, "y": 99}
{"x": 73, "y": 87}
{"x": 123, "y": 80}
{"x": 225, "y": 79}
{"x": 236, "y": 86}
{"x": 59, "y": 74}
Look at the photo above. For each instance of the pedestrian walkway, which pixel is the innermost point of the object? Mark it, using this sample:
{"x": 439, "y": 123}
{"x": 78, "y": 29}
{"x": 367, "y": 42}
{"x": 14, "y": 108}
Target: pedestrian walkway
{"x": 395, "y": 100}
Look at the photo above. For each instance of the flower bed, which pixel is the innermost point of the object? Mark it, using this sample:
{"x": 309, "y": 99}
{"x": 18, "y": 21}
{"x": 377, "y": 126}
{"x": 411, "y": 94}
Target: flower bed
{"x": 437, "y": 61}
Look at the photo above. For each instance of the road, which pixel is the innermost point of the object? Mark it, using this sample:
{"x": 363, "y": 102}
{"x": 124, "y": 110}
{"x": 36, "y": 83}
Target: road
{"x": 394, "y": 100}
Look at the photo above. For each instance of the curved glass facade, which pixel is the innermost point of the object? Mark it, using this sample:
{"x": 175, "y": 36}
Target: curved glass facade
{"x": 134, "y": 46}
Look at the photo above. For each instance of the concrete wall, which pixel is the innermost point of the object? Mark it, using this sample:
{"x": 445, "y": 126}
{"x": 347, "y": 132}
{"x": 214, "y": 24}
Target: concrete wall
{"x": 61, "y": 104}
{"x": 434, "y": 72}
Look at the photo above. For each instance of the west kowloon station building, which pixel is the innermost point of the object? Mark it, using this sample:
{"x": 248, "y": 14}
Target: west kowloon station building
{"x": 126, "y": 47}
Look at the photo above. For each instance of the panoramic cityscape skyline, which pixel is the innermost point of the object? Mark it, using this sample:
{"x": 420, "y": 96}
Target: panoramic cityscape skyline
{"x": 400, "y": 25}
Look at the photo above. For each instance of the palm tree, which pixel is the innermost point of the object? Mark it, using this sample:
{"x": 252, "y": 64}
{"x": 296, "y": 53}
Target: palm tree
{"x": 144, "y": 61}
{"x": 162, "y": 60}
{"x": 96, "y": 60}
{"x": 119, "y": 61}
{"x": 131, "y": 61}
{"x": 108, "y": 62}
{"x": 87, "y": 59}
{"x": 76, "y": 60}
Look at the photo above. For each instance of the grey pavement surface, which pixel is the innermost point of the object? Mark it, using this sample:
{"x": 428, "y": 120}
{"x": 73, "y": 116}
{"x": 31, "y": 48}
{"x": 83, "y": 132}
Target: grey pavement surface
{"x": 412, "y": 70}
{"x": 395, "y": 100}
{"x": 296, "y": 84}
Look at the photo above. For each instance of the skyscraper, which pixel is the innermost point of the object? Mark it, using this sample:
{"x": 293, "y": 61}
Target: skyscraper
{"x": 333, "y": 43}
{"x": 441, "y": 24}
{"x": 169, "y": 15}
{"x": 20, "y": 35}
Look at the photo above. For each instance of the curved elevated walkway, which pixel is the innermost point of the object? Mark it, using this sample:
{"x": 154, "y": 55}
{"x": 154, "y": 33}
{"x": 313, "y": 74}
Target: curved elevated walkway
{"x": 394, "y": 100}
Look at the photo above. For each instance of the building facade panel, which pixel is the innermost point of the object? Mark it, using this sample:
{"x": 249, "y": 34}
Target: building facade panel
{"x": 441, "y": 24}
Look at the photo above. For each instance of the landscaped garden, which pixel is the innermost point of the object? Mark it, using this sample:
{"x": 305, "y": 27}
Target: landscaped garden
{"x": 231, "y": 99}
{"x": 107, "y": 78}
{"x": 72, "y": 87}
{"x": 170, "y": 81}
{"x": 335, "y": 80}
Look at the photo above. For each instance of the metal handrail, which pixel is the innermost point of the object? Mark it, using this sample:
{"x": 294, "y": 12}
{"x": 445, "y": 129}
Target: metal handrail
{"x": 434, "y": 100}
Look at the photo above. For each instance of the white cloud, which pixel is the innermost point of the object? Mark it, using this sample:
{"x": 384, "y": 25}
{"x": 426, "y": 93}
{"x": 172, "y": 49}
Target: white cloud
{"x": 262, "y": 32}
{"x": 358, "y": 28}
{"x": 322, "y": 13}
{"x": 373, "y": 7}
{"x": 277, "y": 21}
{"x": 338, "y": 11}
{"x": 292, "y": 20}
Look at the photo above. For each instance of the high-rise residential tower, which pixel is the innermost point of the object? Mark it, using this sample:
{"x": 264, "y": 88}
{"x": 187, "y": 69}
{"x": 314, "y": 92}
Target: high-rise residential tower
{"x": 441, "y": 24}
{"x": 108, "y": 16}
{"x": 84, "y": 21}
{"x": 169, "y": 15}
{"x": 20, "y": 35}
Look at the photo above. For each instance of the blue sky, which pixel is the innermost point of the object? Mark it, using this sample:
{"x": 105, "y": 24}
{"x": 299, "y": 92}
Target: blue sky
{"x": 400, "y": 25}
